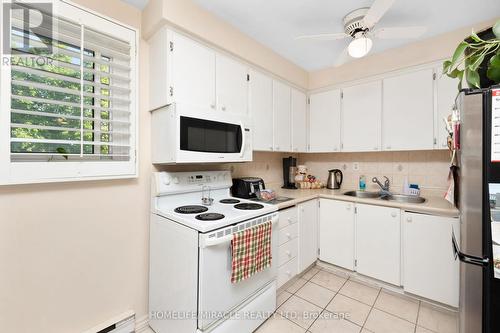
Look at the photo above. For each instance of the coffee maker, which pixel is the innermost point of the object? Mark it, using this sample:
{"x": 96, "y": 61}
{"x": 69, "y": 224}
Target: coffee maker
{"x": 289, "y": 171}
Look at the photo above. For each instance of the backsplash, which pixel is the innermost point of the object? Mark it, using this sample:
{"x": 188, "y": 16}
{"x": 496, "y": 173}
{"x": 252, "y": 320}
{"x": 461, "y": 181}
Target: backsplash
{"x": 429, "y": 169}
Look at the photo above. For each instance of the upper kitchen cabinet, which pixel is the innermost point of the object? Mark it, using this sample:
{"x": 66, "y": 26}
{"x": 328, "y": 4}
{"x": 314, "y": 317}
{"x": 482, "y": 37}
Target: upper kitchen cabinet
{"x": 408, "y": 117}
{"x": 362, "y": 117}
{"x": 324, "y": 121}
{"x": 446, "y": 92}
{"x": 299, "y": 121}
{"x": 261, "y": 110}
{"x": 182, "y": 70}
{"x": 231, "y": 85}
{"x": 281, "y": 111}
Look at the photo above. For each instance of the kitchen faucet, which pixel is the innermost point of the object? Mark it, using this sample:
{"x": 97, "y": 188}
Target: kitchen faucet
{"x": 384, "y": 189}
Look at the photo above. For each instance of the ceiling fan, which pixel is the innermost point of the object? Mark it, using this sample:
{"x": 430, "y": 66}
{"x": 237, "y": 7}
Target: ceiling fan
{"x": 359, "y": 25}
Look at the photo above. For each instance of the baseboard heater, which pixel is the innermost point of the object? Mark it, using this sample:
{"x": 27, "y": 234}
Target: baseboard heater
{"x": 124, "y": 323}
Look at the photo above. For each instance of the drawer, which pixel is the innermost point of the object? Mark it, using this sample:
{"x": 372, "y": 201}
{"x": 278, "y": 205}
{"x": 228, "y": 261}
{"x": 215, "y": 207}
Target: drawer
{"x": 287, "y": 217}
{"x": 288, "y": 233}
{"x": 288, "y": 251}
{"x": 287, "y": 271}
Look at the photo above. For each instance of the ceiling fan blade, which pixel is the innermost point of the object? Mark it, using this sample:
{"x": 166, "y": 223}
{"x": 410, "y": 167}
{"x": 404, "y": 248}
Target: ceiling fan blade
{"x": 342, "y": 58}
{"x": 376, "y": 11}
{"x": 399, "y": 32}
{"x": 334, "y": 36}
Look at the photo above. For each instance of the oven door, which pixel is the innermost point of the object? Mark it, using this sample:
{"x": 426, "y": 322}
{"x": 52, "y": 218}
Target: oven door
{"x": 216, "y": 293}
{"x": 212, "y": 136}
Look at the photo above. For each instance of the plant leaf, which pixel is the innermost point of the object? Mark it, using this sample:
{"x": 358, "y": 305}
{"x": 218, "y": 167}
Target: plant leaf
{"x": 475, "y": 37}
{"x": 459, "y": 51}
{"x": 493, "y": 73}
{"x": 446, "y": 66}
{"x": 460, "y": 79}
{"x": 477, "y": 62}
{"x": 455, "y": 73}
{"x": 472, "y": 78}
{"x": 61, "y": 150}
{"x": 496, "y": 29}
{"x": 495, "y": 60}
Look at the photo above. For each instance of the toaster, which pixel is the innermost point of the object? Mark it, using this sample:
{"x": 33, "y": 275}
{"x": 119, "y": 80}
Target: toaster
{"x": 247, "y": 187}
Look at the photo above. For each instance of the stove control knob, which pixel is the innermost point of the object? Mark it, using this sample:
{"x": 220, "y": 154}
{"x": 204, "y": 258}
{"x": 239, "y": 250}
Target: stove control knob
{"x": 175, "y": 180}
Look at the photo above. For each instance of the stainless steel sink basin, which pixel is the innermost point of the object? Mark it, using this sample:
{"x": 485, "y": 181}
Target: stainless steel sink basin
{"x": 362, "y": 194}
{"x": 404, "y": 198}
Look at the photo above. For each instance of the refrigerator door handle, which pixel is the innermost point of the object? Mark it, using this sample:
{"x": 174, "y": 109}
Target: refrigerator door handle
{"x": 465, "y": 258}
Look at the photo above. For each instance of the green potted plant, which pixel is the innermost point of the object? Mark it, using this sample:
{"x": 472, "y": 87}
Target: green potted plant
{"x": 476, "y": 59}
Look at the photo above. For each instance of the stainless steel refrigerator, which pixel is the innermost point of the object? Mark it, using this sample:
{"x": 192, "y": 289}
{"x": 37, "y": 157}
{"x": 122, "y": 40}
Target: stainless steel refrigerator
{"x": 478, "y": 184}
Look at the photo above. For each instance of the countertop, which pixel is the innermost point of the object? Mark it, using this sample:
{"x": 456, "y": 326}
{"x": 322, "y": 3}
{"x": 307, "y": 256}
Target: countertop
{"x": 434, "y": 205}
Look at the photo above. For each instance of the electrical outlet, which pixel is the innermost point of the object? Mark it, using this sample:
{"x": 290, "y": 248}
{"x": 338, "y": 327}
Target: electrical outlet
{"x": 355, "y": 166}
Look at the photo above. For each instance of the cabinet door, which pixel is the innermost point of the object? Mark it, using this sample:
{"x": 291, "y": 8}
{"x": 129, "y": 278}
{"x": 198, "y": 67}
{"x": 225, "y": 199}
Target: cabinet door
{"x": 362, "y": 117}
{"x": 308, "y": 234}
{"x": 429, "y": 267}
{"x": 299, "y": 121}
{"x": 192, "y": 72}
{"x": 446, "y": 92}
{"x": 261, "y": 110}
{"x": 231, "y": 85}
{"x": 324, "y": 121}
{"x": 378, "y": 242}
{"x": 281, "y": 111}
{"x": 408, "y": 115}
{"x": 336, "y": 232}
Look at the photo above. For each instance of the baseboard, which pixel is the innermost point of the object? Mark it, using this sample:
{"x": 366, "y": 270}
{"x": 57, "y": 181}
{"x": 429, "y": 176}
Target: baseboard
{"x": 142, "y": 324}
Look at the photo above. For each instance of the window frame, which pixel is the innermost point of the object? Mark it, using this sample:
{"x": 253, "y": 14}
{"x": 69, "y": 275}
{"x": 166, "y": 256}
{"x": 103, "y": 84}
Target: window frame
{"x": 62, "y": 171}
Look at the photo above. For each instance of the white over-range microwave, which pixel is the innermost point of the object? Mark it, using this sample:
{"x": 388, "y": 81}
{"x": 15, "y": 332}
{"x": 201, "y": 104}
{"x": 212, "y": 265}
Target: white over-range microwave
{"x": 183, "y": 133}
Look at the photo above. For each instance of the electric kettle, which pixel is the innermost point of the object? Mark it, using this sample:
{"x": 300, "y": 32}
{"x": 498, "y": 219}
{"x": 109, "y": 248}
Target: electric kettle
{"x": 334, "y": 179}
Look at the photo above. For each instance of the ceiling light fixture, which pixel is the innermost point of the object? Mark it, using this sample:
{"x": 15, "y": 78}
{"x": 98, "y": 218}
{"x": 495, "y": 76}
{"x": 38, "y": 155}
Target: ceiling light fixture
{"x": 360, "y": 46}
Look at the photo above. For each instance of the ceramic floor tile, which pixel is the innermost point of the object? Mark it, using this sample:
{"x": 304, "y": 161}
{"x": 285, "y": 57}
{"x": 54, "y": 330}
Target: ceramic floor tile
{"x": 360, "y": 292}
{"x": 330, "y": 323}
{"x": 355, "y": 311}
{"x": 398, "y": 305}
{"x": 382, "y": 322}
{"x": 422, "y": 330}
{"x": 282, "y": 297}
{"x": 329, "y": 280}
{"x": 278, "y": 324}
{"x": 296, "y": 285}
{"x": 315, "y": 294}
{"x": 300, "y": 311}
{"x": 437, "y": 320}
{"x": 310, "y": 273}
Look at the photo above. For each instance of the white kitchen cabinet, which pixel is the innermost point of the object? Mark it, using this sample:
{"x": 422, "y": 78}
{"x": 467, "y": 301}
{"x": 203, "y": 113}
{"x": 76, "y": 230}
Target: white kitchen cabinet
{"x": 429, "y": 267}
{"x": 362, "y": 117}
{"x": 308, "y": 233}
{"x": 408, "y": 114}
{"x": 336, "y": 232}
{"x": 446, "y": 92}
{"x": 281, "y": 112}
{"x": 261, "y": 110}
{"x": 378, "y": 242}
{"x": 324, "y": 121}
{"x": 299, "y": 121}
{"x": 288, "y": 240}
{"x": 231, "y": 85}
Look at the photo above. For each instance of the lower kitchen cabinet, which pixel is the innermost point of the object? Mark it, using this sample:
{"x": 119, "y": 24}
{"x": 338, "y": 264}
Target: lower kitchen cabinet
{"x": 308, "y": 233}
{"x": 378, "y": 242}
{"x": 336, "y": 233}
{"x": 288, "y": 233}
{"x": 429, "y": 267}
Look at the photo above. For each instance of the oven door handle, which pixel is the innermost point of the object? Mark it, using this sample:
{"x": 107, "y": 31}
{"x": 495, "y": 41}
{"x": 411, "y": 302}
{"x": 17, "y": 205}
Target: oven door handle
{"x": 243, "y": 140}
{"x": 224, "y": 239}
{"x": 467, "y": 258}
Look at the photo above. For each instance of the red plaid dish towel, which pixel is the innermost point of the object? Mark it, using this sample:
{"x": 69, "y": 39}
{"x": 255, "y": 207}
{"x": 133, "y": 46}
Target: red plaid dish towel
{"x": 251, "y": 249}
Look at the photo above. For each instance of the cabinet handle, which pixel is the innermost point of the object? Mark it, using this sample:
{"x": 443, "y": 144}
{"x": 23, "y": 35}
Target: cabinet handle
{"x": 277, "y": 148}
{"x": 393, "y": 214}
{"x": 388, "y": 147}
{"x": 223, "y": 108}
{"x": 270, "y": 147}
{"x": 409, "y": 219}
{"x": 375, "y": 148}
{"x": 289, "y": 220}
{"x": 288, "y": 273}
{"x": 288, "y": 235}
{"x": 288, "y": 253}
{"x": 335, "y": 148}
{"x": 212, "y": 105}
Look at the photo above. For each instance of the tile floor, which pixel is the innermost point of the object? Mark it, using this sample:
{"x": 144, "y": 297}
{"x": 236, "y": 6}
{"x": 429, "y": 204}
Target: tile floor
{"x": 321, "y": 301}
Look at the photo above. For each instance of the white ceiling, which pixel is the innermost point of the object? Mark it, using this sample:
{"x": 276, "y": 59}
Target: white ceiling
{"x": 275, "y": 23}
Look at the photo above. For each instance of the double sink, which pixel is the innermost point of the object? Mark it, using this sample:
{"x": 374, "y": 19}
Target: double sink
{"x": 390, "y": 197}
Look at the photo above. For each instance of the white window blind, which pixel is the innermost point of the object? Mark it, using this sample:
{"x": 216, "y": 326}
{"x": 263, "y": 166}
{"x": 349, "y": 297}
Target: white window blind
{"x": 74, "y": 103}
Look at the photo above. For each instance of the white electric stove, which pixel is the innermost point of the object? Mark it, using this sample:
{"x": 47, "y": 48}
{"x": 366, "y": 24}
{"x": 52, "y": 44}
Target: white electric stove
{"x": 190, "y": 288}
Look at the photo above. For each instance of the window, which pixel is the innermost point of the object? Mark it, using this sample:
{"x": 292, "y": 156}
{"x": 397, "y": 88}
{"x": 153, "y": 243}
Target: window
{"x": 71, "y": 107}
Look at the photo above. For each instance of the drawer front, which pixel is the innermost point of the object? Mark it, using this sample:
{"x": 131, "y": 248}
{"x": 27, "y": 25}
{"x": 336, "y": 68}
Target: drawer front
{"x": 287, "y": 271}
{"x": 288, "y": 233}
{"x": 287, "y": 217}
{"x": 288, "y": 251}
